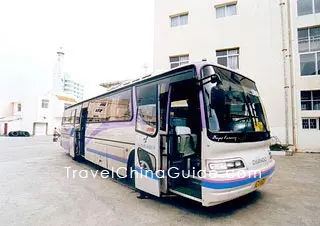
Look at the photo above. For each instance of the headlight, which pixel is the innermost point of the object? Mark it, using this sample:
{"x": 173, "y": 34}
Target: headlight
{"x": 219, "y": 166}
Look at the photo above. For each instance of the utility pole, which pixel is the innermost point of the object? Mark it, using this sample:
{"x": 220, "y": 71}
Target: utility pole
{"x": 289, "y": 79}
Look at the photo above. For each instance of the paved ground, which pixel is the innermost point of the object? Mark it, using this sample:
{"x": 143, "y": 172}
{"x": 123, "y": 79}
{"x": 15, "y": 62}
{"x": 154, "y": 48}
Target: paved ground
{"x": 35, "y": 191}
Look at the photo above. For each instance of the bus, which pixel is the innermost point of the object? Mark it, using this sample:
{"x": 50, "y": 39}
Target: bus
{"x": 196, "y": 131}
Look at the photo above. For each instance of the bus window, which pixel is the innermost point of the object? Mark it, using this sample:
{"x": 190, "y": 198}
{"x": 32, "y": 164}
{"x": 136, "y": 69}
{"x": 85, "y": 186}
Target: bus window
{"x": 147, "y": 109}
{"x": 119, "y": 107}
{"x": 233, "y": 105}
{"x": 111, "y": 108}
{"x": 97, "y": 110}
{"x": 77, "y": 117}
{"x": 66, "y": 117}
{"x": 72, "y": 117}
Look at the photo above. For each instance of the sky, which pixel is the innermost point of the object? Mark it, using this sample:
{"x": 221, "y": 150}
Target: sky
{"x": 103, "y": 41}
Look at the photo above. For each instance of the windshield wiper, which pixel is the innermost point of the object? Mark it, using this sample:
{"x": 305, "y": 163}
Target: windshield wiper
{"x": 249, "y": 117}
{"x": 244, "y": 116}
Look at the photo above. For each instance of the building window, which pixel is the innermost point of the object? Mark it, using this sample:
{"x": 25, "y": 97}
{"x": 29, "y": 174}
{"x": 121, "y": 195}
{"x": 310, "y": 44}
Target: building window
{"x": 308, "y": 7}
{"x": 310, "y": 100}
{"x": 310, "y": 123}
{"x": 226, "y": 10}
{"x": 179, "y": 20}
{"x": 176, "y": 61}
{"x": 228, "y": 58}
{"x": 45, "y": 103}
{"x": 19, "y": 107}
{"x": 309, "y": 49}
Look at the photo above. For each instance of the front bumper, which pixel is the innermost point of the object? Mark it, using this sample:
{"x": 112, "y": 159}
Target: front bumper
{"x": 225, "y": 189}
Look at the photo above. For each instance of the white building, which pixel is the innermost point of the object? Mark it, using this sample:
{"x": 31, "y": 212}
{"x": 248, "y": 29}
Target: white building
{"x": 274, "y": 42}
{"x": 62, "y": 81}
{"x": 35, "y": 112}
{"x": 72, "y": 87}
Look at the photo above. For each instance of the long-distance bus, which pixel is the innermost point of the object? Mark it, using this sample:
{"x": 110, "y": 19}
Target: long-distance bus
{"x": 200, "y": 118}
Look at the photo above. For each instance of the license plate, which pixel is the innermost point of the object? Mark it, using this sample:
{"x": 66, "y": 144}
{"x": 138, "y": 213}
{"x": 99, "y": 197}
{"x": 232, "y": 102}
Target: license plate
{"x": 259, "y": 183}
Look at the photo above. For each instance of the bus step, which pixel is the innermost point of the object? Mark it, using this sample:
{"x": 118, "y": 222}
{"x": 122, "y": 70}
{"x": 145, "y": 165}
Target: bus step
{"x": 187, "y": 193}
{"x": 193, "y": 191}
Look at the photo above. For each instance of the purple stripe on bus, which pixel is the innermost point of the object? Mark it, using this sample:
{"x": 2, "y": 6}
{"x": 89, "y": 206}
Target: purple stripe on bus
{"x": 107, "y": 155}
{"x": 106, "y": 126}
{"x": 203, "y": 117}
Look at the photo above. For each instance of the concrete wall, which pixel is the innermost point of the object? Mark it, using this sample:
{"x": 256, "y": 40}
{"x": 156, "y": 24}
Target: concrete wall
{"x": 308, "y": 139}
{"x": 256, "y": 30}
{"x": 32, "y": 112}
{"x": 262, "y": 36}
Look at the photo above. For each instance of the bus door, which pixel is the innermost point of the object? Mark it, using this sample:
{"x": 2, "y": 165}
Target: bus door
{"x": 72, "y": 132}
{"x": 147, "y": 153}
{"x": 82, "y": 130}
{"x": 184, "y": 138}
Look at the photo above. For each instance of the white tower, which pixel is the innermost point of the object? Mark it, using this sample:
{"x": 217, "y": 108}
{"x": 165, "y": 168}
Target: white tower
{"x": 58, "y": 75}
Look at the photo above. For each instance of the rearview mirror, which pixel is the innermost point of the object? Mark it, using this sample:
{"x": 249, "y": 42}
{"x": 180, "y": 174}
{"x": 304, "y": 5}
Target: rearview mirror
{"x": 208, "y": 72}
{"x": 215, "y": 78}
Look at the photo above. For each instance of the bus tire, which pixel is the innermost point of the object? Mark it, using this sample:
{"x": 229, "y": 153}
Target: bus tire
{"x": 130, "y": 168}
{"x": 145, "y": 161}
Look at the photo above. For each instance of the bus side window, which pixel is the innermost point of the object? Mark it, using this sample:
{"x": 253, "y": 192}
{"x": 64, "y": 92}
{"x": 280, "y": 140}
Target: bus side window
{"x": 77, "y": 117}
{"x": 72, "y": 116}
{"x": 146, "y": 122}
{"x": 111, "y": 108}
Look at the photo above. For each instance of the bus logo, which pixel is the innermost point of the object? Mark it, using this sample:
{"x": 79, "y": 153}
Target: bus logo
{"x": 259, "y": 160}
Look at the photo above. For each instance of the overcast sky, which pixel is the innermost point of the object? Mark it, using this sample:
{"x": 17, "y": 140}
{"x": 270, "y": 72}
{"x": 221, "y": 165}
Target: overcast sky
{"x": 103, "y": 40}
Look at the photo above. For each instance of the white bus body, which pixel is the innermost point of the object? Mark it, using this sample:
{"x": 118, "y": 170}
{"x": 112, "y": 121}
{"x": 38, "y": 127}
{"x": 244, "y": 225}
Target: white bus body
{"x": 198, "y": 118}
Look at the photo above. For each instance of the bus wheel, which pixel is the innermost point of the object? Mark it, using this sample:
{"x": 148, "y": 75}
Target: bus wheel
{"x": 130, "y": 169}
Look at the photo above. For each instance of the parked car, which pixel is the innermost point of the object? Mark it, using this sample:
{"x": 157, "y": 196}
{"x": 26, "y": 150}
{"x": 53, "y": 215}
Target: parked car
{"x": 19, "y": 134}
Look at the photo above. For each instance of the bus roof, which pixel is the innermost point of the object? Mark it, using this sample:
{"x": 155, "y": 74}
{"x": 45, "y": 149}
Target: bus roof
{"x": 196, "y": 65}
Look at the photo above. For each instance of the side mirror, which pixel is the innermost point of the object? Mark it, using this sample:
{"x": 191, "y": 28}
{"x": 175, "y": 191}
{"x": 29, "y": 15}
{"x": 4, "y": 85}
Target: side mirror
{"x": 215, "y": 78}
{"x": 207, "y": 72}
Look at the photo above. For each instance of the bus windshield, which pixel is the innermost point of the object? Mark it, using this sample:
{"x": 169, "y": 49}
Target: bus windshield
{"x": 233, "y": 104}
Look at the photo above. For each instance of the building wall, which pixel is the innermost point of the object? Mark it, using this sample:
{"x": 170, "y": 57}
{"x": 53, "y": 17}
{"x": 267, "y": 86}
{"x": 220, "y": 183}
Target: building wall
{"x": 29, "y": 90}
{"x": 256, "y": 30}
{"x": 266, "y": 34}
{"x": 32, "y": 112}
{"x": 308, "y": 139}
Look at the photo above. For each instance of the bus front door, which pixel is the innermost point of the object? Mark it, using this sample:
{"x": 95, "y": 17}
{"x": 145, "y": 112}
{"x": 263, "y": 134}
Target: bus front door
{"x": 147, "y": 154}
{"x": 72, "y": 134}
